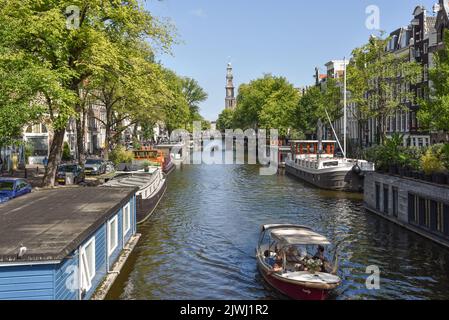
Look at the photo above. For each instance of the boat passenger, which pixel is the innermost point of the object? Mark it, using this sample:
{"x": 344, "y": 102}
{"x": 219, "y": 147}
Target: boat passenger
{"x": 320, "y": 255}
{"x": 269, "y": 258}
{"x": 277, "y": 267}
{"x": 293, "y": 255}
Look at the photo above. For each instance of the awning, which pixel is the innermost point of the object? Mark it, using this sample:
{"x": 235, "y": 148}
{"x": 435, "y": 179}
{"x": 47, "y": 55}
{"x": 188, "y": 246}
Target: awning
{"x": 297, "y": 236}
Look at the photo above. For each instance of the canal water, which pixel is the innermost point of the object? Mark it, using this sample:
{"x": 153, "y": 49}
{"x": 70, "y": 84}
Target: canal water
{"x": 200, "y": 243}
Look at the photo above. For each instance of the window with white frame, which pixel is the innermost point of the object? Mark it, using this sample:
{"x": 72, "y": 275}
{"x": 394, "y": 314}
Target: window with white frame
{"x": 126, "y": 218}
{"x": 112, "y": 235}
{"x": 87, "y": 264}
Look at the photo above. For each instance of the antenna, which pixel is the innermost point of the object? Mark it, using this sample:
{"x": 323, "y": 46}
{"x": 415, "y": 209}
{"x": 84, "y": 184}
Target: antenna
{"x": 344, "y": 108}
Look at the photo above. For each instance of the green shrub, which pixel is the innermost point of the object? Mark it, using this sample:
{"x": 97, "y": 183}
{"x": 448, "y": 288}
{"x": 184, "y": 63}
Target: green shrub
{"x": 29, "y": 150}
{"x": 121, "y": 155}
{"x": 431, "y": 162}
{"x": 66, "y": 155}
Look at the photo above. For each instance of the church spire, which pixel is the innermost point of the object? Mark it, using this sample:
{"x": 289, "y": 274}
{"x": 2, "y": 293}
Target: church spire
{"x": 230, "y": 101}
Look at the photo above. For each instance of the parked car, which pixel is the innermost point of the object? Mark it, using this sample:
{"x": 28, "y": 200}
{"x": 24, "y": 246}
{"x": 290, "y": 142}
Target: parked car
{"x": 94, "y": 167}
{"x": 11, "y": 188}
{"x": 76, "y": 170}
{"x": 110, "y": 166}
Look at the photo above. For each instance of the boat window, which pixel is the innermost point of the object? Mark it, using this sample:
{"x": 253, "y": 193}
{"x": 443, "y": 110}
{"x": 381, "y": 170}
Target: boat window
{"x": 112, "y": 235}
{"x": 330, "y": 164}
{"x": 88, "y": 268}
{"x": 127, "y": 218}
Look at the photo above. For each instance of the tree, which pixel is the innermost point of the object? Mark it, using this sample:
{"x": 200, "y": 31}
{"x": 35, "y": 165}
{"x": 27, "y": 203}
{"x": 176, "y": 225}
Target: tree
{"x": 225, "y": 120}
{"x": 318, "y": 103}
{"x": 176, "y": 112}
{"x": 36, "y": 31}
{"x": 19, "y": 84}
{"x": 268, "y": 102}
{"x": 194, "y": 95}
{"x": 434, "y": 112}
{"x": 379, "y": 77}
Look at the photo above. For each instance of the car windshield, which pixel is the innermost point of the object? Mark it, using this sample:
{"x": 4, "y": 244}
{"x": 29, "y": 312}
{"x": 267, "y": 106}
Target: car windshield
{"x": 6, "y": 185}
{"x": 93, "y": 162}
{"x": 66, "y": 168}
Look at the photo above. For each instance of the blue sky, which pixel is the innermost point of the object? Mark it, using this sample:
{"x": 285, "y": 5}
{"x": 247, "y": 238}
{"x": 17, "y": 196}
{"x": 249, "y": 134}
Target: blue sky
{"x": 283, "y": 37}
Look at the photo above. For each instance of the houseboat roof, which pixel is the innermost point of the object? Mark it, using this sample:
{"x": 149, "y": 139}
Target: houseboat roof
{"x": 140, "y": 180}
{"x": 313, "y": 141}
{"x": 51, "y": 224}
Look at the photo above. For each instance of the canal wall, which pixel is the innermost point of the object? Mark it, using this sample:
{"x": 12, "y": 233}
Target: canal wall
{"x": 419, "y": 206}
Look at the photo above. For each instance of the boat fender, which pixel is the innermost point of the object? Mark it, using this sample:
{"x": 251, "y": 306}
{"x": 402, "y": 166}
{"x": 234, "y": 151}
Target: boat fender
{"x": 356, "y": 169}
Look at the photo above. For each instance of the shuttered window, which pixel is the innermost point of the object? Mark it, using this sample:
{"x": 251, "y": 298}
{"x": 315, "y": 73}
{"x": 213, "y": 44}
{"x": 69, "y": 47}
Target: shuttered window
{"x": 126, "y": 219}
{"x": 446, "y": 220}
{"x": 411, "y": 208}
{"x": 386, "y": 199}
{"x": 87, "y": 265}
{"x": 439, "y": 224}
{"x": 395, "y": 202}
{"x": 112, "y": 235}
{"x": 377, "y": 197}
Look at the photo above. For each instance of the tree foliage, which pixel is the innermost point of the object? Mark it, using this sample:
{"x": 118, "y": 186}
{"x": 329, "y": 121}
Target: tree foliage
{"x": 434, "y": 112}
{"x": 318, "y": 103}
{"x": 267, "y": 103}
{"x": 377, "y": 82}
{"x": 225, "y": 120}
{"x": 36, "y": 41}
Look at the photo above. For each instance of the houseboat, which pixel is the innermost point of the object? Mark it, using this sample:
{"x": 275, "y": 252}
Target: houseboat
{"x": 155, "y": 157}
{"x": 176, "y": 152}
{"x": 320, "y": 167}
{"x": 292, "y": 260}
{"x": 65, "y": 244}
{"x": 152, "y": 185}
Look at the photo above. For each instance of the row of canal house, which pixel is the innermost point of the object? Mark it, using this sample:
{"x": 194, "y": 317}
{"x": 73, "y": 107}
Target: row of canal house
{"x": 65, "y": 244}
{"x": 420, "y": 206}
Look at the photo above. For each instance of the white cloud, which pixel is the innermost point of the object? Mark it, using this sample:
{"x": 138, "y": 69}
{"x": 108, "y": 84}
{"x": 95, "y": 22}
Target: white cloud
{"x": 198, "y": 13}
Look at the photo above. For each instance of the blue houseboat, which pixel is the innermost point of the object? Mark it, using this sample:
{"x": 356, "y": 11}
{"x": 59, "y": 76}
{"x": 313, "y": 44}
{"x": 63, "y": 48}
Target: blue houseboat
{"x": 65, "y": 244}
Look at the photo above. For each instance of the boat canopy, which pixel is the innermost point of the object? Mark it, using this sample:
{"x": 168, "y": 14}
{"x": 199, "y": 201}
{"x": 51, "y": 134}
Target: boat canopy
{"x": 298, "y": 236}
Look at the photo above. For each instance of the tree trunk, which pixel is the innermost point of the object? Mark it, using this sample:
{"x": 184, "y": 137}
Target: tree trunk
{"x": 107, "y": 143}
{"x": 80, "y": 138}
{"x": 135, "y": 130}
{"x": 54, "y": 159}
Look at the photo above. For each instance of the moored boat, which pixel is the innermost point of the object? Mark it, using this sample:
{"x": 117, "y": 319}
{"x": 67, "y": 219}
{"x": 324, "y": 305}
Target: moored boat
{"x": 320, "y": 167}
{"x": 284, "y": 259}
{"x": 152, "y": 185}
{"x": 155, "y": 157}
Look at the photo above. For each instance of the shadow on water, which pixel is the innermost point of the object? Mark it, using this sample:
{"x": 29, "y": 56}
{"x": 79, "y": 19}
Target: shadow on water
{"x": 200, "y": 243}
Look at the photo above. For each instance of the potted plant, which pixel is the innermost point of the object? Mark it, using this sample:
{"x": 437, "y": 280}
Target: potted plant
{"x": 146, "y": 166}
{"x": 313, "y": 265}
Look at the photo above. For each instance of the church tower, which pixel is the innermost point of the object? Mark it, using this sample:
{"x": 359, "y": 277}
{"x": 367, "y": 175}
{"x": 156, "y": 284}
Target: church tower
{"x": 230, "y": 101}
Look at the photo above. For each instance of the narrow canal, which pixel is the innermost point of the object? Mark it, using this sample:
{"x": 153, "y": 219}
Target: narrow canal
{"x": 200, "y": 243}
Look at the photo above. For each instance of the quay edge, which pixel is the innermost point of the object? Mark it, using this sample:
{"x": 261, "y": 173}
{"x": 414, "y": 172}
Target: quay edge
{"x": 416, "y": 205}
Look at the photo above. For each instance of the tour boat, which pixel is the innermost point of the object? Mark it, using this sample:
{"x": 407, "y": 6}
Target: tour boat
{"x": 292, "y": 243}
{"x": 323, "y": 169}
{"x": 152, "y": 185}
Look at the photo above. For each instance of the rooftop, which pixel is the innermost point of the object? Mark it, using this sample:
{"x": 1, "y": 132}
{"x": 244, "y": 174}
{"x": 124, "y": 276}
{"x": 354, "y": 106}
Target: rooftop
{"x": 53, "y": 223}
